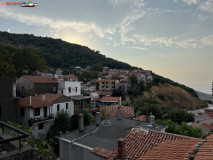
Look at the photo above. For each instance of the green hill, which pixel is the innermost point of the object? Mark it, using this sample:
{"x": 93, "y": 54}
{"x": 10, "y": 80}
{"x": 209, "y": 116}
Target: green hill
{"x": 61, "y": 54}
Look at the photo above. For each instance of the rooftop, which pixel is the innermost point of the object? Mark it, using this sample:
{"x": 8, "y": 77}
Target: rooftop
{"x": 37, "y": 101}
{"x": 139, "y": 142}
{"x": 112, "y": 111}
{"x": 40, "y": 79}
{"x": 110, "y": 99}
{"x": 108, "y": 133}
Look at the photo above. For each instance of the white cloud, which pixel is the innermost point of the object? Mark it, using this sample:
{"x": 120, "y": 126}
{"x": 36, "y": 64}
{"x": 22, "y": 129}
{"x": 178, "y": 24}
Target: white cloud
{"x": 190, "y": 2}
{"x": 207, "y": 6}
{"x": 208, "y": 40}
{"x": 53, "y": 24}
{"x": 8, "y": 30}
{"x": 135, "y": 47}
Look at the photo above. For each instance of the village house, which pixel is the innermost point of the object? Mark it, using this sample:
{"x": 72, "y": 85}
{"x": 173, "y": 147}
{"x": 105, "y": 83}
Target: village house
{"x": 107, "y": 84}
{"x": 107, "y": 101}
{"x": 69, "y": 88}
{"x": 28, "y": 85}
{"x": 39, "y": 111}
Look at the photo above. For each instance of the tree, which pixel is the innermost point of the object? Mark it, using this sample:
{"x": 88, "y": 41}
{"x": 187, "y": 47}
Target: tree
{"x": 133, "y": 79}
{"x": 97, "y": 67}
{"x": 179, "y": 115}
{"x": 182, "y": 129}
{"x": 86, "y": 76}
{"x": 61, "y": 123}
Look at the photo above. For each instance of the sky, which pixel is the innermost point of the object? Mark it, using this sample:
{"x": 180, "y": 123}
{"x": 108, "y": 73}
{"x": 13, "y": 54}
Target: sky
{"x": 173, "y": 38}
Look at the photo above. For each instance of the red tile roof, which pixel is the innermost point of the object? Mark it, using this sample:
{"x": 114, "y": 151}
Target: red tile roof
{"x": 105, "y": 80}
{"x": 110, "y": 99}
{"x": 205, "y": 151}
{"x": 173, "y": 149}
{"x": 139, "y": 142}
{"x": 126, "y": 112}
{"x": 104, "y": 93}
{"x": 141, "y": 118}
{"x": 102, "y": 152}
{"x": 96, "y": 99}
{"x": 37, "y": 102}
{"x": 40, "y": 79}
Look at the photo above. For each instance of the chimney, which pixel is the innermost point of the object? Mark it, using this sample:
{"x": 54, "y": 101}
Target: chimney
{"x": 81, "y": 122}
{"x": 30, "y": 101}
{"x": 98, "y": 119}
{"x": 43, "y": 97}
{"x": 119, "y": 114}
{"x": 151, "y": 120}
{"x": 121, "y": 149}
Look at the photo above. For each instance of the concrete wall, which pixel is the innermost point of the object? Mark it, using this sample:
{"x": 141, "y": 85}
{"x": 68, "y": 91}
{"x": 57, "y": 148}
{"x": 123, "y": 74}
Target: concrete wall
{"x": 30, "y": 88}
{"x": 76, "y": 151}
{"x": 42, "y": 132}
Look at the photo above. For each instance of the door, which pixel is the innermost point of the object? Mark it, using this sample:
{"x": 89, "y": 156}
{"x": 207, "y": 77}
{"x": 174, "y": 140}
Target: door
{"x": 45, "y": 112}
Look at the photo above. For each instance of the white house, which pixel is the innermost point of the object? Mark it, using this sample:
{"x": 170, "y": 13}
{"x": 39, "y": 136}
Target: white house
{"x": 69, "y": 88}
{"x": 40, "y": 111}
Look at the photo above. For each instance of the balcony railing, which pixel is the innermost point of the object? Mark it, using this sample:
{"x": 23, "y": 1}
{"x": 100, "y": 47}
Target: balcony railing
{"x": 40, "y": 119}
{"x": 19, "y": 137}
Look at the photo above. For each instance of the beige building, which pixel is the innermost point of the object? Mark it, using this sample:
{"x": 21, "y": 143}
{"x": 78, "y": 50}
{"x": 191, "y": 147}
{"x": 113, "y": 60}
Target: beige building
{"x": 107, "y": 84}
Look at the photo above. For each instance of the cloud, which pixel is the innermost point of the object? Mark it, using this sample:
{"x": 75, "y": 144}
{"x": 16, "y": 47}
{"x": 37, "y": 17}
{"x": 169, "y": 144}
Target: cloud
{"x": 208, "y": 40}
{"x": 190, "y": 2}
{"x": 135, "y": 47}
{"x": 207, "y": 6}
{"x": 8, "y": 30}
{"x": 53, "y": 24}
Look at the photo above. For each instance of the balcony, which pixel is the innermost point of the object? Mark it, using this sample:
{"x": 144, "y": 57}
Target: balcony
{"x": 40, "y": 119}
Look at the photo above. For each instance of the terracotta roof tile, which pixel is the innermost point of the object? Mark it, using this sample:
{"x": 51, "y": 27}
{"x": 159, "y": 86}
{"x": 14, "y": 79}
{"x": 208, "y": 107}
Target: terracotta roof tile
{"x": 139, "y": 142}
{"x": 104, "y": 93}
{"x": 141, "y": 118}
{"x": 40, "y": 79}
{"x": 37, "y": 102}
{"x": 110, "y": 99}
{"x": 126, "y": 111}
{"x": 172, "y": 149}
{"x": 205, "y": 150}
{"x": 105, "y": 80}
{"x": 102, "y": 152}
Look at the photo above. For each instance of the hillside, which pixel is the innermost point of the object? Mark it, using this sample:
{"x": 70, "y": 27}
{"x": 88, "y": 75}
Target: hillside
{"x": 61, "y": 54}
{"x": 204, "y": 96}
{"x": 168, "y": 95}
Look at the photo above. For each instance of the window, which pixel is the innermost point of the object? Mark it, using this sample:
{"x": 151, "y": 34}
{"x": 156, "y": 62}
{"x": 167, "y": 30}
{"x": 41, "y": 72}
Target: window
{"x": 40, "y": 126}
{"x": 102, "y": 82}
{"x": 69, "y": 89}
{"x": 102, "y": 86}
{"x": 107, "y": 87}
{"x": 76, "y": 89}
{"x": 67, "y": 106}
{"x": 58, "y": 107}
{"x": 37, "y": 111}
{"x": 62, "y": 92}
{"x": 22, "y": 112}
{"x": 106, "y": 82}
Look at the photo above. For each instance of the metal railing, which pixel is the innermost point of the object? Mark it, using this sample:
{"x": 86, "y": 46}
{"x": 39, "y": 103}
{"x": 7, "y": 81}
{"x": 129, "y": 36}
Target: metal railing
{"x": 41, "y": 118}
{"x": 22, "y": 134}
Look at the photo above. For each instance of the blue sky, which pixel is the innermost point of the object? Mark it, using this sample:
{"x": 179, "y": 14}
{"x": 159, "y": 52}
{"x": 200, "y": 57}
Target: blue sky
{"x": 173, "y": 38}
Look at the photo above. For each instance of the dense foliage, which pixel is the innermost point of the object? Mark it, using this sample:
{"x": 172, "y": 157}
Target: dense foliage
{"x": 183, "y": 129}
{"x": 42, "y": 148}
{"x": 161, "y": 80}
{"x": 61, "y": 54}
{"x": 86, "y": 76}
{"x": 16, "y": 62}
{"x": 179, "y": 115}
{"x": 137, "y": 87}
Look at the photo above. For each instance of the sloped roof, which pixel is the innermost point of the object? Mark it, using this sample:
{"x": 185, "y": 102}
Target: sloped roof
{"x": 40, "y": 79}
{"x": 105, "y": 80}
{"x": 139, "y": 142}
{"x": 174, "y": 149}
{"x": 112, "y": 111}
{"x": 141, "y": 118}
{"x": 102, "y": 152}
{"x": 110, "y": 99}
{"x": 37, "y": 102}
{"x": 205, "y": 150}
{"x": 104, "y": 93}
